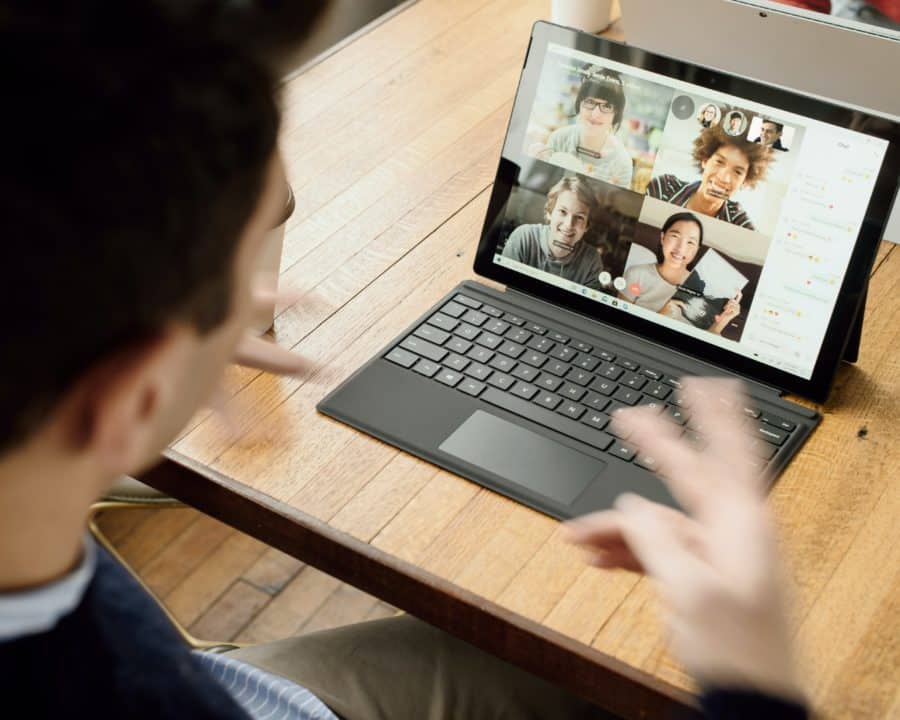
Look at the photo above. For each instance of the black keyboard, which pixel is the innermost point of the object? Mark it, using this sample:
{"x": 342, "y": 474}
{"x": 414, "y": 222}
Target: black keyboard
{"x": 558, "y": 381}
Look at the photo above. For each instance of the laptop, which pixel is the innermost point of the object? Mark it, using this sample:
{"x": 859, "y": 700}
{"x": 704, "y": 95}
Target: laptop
{"x": 650, "y": 219}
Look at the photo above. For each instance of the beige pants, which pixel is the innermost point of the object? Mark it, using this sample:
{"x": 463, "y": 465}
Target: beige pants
{"x": 401, "y": 668}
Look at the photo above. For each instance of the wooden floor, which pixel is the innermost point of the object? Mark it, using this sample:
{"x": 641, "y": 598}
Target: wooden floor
{"x": 225, "y": 586}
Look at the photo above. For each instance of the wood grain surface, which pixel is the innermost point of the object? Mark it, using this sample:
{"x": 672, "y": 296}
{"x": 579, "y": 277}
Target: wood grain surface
{"x": 391, "y": 146}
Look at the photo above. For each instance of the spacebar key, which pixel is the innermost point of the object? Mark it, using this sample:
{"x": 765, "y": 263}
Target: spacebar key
{"x": 594, "y": 438}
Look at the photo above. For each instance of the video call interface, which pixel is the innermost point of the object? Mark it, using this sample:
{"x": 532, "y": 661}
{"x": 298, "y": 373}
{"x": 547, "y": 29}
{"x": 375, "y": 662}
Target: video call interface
{"x": 721, "y": 218}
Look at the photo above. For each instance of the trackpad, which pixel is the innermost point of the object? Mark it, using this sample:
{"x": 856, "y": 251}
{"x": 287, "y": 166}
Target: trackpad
{"x": 523, "y": 457}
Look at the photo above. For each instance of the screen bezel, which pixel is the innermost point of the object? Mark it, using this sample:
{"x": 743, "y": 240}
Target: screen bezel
{"x": 855, "y": 281}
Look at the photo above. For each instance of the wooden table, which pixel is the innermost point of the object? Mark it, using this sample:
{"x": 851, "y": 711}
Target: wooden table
{"x": 391, "y": 146}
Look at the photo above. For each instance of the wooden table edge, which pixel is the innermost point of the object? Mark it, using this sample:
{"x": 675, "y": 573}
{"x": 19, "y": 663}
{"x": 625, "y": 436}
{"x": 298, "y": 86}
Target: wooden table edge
{"x": 579, "y": 668}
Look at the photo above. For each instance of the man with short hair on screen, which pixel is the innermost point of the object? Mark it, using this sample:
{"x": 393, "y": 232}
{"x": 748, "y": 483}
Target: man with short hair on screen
{"x": 557, "y": 246}
{"x": 770, "y": 133}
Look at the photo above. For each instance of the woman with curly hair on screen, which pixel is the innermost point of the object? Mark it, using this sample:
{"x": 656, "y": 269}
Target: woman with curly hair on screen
{"x": 726, "y": 165}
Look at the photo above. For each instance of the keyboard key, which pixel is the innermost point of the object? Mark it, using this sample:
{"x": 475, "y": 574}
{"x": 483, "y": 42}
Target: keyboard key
{"x": 652, "y": 403}
{"x": 402, "y": 357}
{"x": 564, "y": 353}
{"x": 557, "y": 367}
{"x": 579, "y": 376}
{"x": 514, "y": 319}
{"x": 763, "y": 449}
{"x": 677, "y": 415}
{"x": 536, "y": 329}
{"x": 478, "y": 371}
{"x": 572, "y": 392}
{"x": 533, "y": 358}
{"x": 453, "y": 309}
{"x": 448, "y": 377}
{"x": 778, "y": 422}
{"x": 498, "y": 327}
{"x": 561, "y": 424}
{"x": 549, "y": 382}
{"x": 492, "y": 311}
{"x": 771, "y": 434}
{"x": 629, "y": 364}
{"x": 488, "y": 340}
{"x": 634, "y": 381}
{"x": 444, "y": 322}
{"x": 622, "y": 451}
{"x": 511, "y": 349}
{"x": 467, "y": 301}
{"x": 558, "y": 337}
{"x": 595, "y": 401}
{"x": 694, "y": 439}
{"x": 627, "y": 396}
{"x": 597, "y": 420}
{"x": 458, "y": 345}
{"x": 518, "y": 335}
{"x": 456, "y": 362}
{"x": 547, "y": 400}
{"x": 501, "y": 380}
{"x": 480, "y": 354}
{"x": 524, "y": 390}
{"x": 587, "y": 362}
{"x": 571, "y": 409}
{"x": 648, "y": 462}
{"x": 424, "y": 348}
{"x": 652, "y": 374}
{"x": 610, "y": 371}
{"x": 603, "y": 386}
{"x": 502, "y": 363}
{"x": 466, "y": 331}
{"x": 751, "y": 412}
{"x": 427, "y": 368}
{"x": 541, "y": 344}
{"x": 673, "y": 381}
{"x": 658, "y": 390}
{"x": 525, "y": 372}
{"x": 471, "y": 387}
{"x": 432, "y": 334}
{"x": 473, "y": 317}
{"x": 606, "y": 355}
{"x": 615, "y": 406}
{"x": 582, "y": 346}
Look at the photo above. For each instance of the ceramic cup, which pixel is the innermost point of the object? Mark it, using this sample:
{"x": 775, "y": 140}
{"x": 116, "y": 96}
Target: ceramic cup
{"x": 591, "y": 16}
{"x": 267, "y": 270}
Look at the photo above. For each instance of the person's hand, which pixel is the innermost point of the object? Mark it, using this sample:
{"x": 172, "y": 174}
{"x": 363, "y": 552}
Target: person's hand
{"x": 731, "y": 310}
{"x": 716, "y": 567}
{"x": 254, "y": 351}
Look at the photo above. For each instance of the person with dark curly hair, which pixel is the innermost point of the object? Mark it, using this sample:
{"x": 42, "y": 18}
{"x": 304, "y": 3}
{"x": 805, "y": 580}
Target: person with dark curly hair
{"x": 726, "y": 165}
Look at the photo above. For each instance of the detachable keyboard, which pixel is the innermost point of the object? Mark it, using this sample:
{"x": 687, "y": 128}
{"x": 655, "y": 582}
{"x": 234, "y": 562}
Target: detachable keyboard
{"x": 556, "y": 380}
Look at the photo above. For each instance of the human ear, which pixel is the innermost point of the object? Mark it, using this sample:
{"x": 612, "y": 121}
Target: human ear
{"x": 119, "y": 405}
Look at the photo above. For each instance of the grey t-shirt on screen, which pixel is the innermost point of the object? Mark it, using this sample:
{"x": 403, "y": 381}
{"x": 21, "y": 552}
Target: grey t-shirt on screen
{"x": 615, "y": 167}
{"x": 530, "y": 244}
{"x": 653, "y": 290}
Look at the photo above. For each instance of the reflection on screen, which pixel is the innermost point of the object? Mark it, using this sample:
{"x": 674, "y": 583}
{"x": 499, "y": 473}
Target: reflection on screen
{"x": 715, "y": 216}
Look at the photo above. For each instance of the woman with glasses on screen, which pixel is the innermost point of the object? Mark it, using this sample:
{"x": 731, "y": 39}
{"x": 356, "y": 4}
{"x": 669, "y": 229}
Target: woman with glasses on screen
{"x": 590, "y": 145}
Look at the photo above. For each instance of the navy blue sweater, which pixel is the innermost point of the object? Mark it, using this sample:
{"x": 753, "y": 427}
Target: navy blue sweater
{"x": 115, "y": 656}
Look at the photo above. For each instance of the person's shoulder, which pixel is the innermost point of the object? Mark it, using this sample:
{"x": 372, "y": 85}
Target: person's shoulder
{"x": 737, "y": 215}
{"x": 664, "y": 185}
{"x": 563, "y": 137}
{"x": 528, "y": 231}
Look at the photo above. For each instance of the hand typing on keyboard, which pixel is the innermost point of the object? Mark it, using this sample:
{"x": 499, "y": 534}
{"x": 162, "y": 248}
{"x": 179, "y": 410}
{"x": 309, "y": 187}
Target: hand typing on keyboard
{"x": 716, "y": 566}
